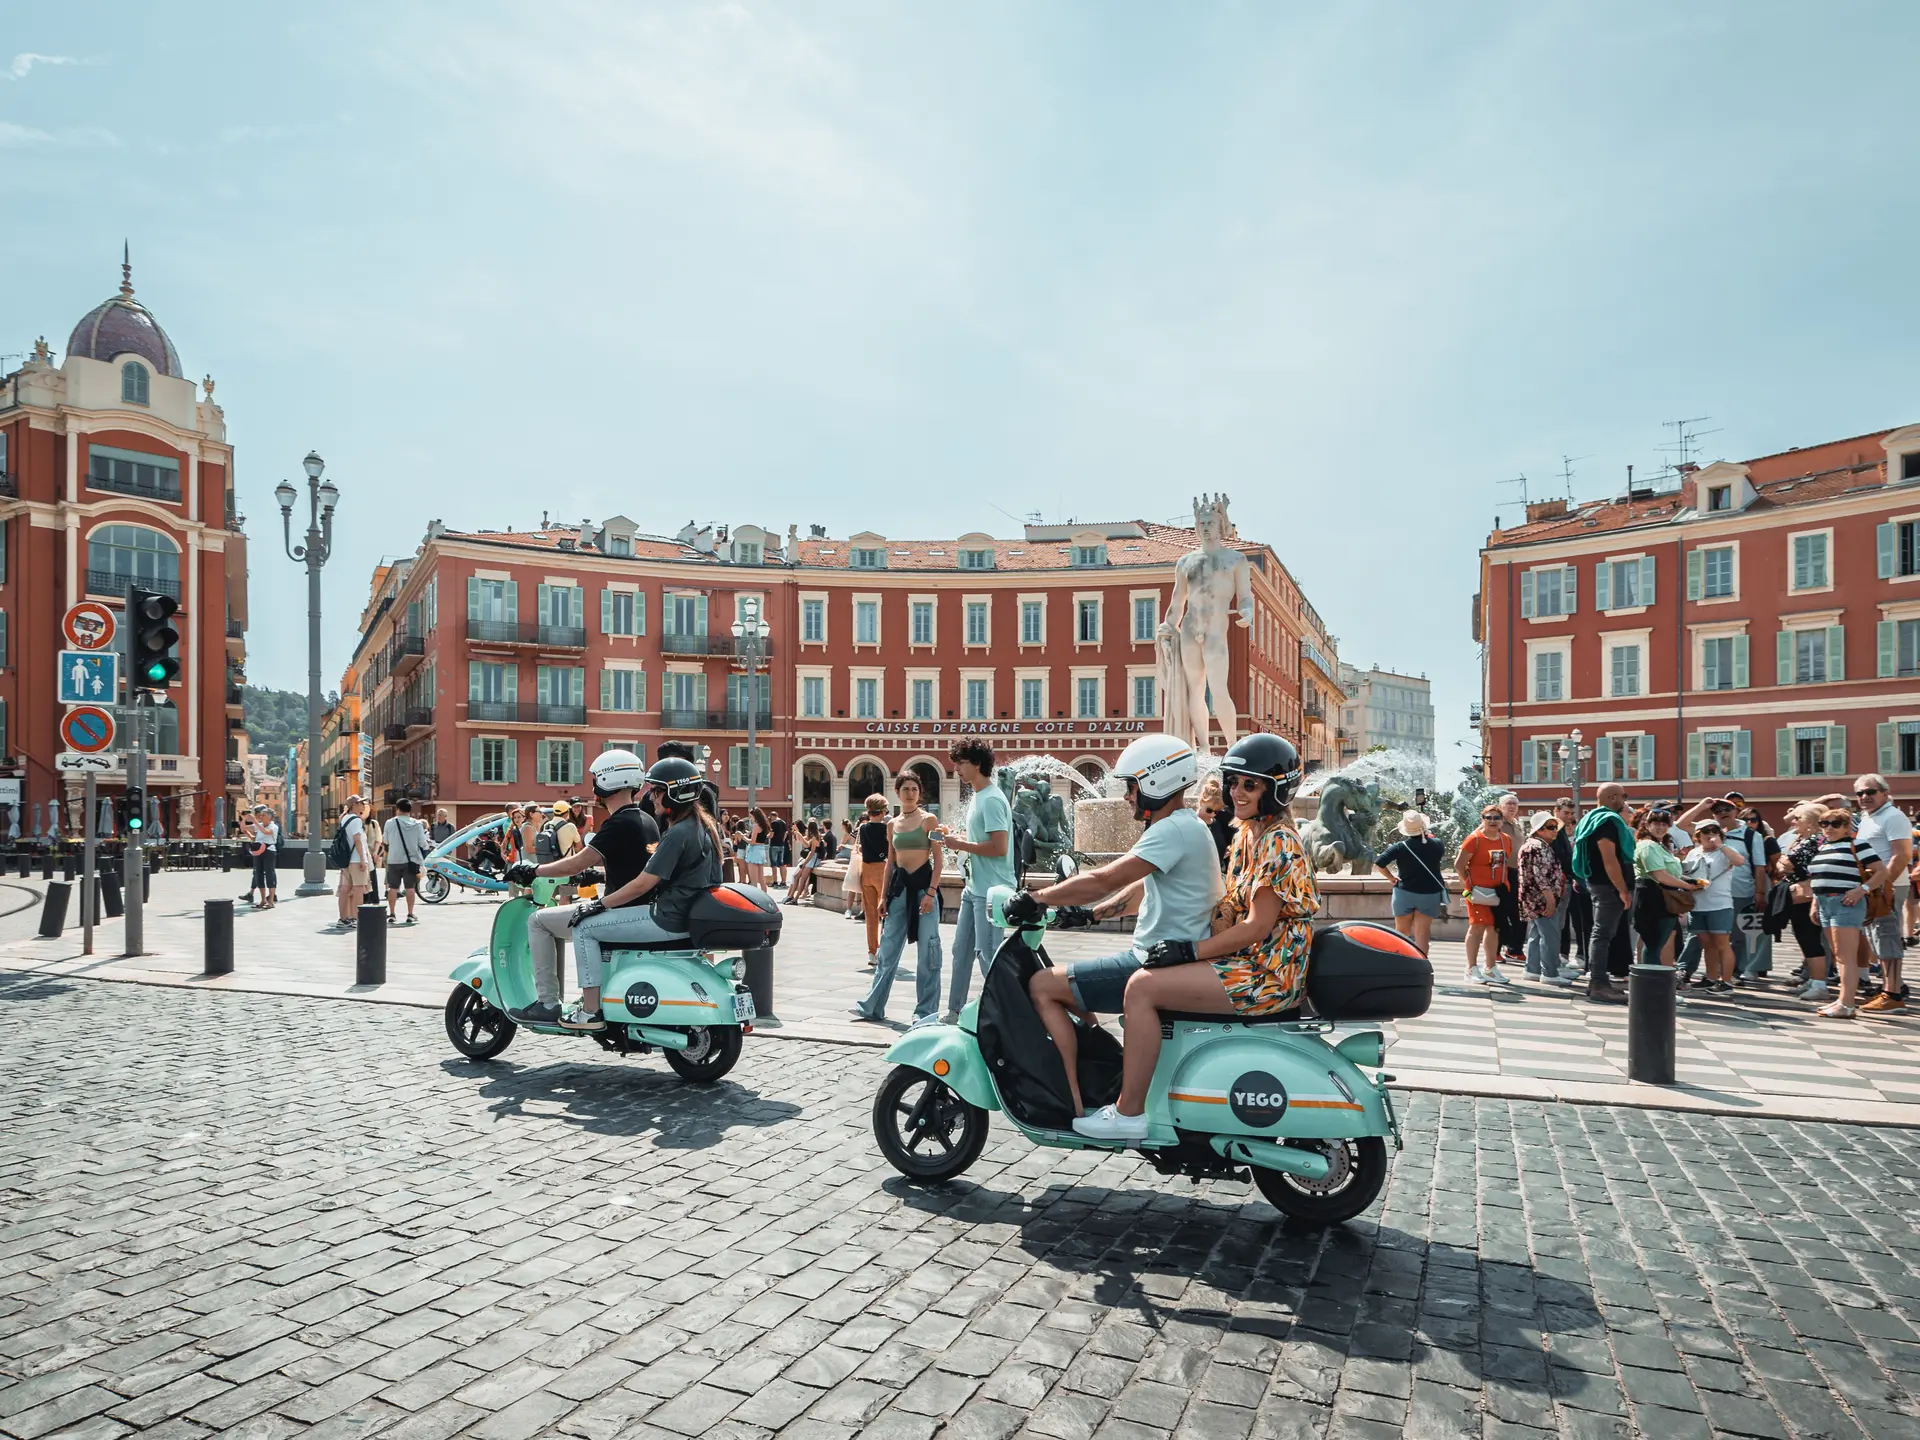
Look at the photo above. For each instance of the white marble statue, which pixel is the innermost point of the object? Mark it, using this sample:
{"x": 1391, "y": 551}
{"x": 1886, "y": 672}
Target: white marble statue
{"x": 1212, "y": 587}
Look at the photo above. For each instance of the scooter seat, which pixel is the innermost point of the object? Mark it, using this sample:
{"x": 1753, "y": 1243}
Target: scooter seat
{"x": 671, "y": 942}
{"x": 1279, "y": 1017}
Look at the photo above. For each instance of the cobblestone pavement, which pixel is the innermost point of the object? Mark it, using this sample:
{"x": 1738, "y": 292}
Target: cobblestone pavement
{"x": 260, "y": 1215}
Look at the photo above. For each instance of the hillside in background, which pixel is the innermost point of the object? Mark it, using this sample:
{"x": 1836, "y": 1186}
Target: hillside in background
{"x": 276, "y": 721}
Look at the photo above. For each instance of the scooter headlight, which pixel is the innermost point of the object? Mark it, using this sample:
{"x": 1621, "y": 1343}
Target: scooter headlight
{"x": 1364, "y": 1047}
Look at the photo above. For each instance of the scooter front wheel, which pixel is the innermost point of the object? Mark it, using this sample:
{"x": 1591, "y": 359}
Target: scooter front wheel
{"x": 925, "y": 1129}
{"x": 477, "y": 1029}
{"x": 1358, "y": 1168}
{"x": 712, "y": 1050}
{"x": 434, "y": 887}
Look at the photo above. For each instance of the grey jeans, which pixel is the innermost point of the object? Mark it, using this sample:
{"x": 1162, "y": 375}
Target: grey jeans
{"x": 547, "y": 928}
{"x": 1609, "y": 915}
{"x": 926, "y": 969}
{"x": 975, "y": 937}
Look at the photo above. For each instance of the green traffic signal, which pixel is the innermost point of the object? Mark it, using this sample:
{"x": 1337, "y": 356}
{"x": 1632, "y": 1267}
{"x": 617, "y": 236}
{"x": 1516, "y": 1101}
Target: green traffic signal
{"x": 152, "y": 637}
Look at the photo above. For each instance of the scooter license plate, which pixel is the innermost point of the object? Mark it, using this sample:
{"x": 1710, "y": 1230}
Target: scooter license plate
{"x": 742, "y": 1007}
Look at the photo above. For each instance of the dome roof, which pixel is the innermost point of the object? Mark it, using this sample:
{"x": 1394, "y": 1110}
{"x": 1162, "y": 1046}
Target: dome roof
{"x": 122, "y": 325}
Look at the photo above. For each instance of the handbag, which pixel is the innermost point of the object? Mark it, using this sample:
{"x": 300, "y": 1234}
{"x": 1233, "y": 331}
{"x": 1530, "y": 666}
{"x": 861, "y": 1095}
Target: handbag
{"x": 1879, "y": 901}
{"x": 1678, "y": 902}
{"x": 1484, "y": 895}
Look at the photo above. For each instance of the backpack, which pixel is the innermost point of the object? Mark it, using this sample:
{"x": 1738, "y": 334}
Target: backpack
{"x": 340, "y": 852}
{"x": 546, "y": 842}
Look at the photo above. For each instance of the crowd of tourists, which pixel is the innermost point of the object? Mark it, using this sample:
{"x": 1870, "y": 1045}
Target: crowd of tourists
{"x": 1566, "y": 898}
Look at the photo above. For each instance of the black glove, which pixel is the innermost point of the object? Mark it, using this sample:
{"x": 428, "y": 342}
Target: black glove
{"x": 1170, "y": 952}
{"x": 1023, "y": 912}
{"x": 586, "y": 910}
{"x": 520, "y": 872}
{"x": 590, "y": 877}
{"x": 1073, "y": 917}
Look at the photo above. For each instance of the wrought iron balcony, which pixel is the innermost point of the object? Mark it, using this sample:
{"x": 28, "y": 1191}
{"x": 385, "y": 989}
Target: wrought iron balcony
{"x": 515, "y": 632}
{"x": 391, "y": 733}
{"x": 519, "y": 712}
{"x": 114, "y": 582}
{"x": 236, "y": 629}
{"x": 419, "y": 717}
{"x": 9, "y": 485}
{"x": 167, "y": 491}
{"x": 714, "y": 719}
{"x": 403, "y": 653}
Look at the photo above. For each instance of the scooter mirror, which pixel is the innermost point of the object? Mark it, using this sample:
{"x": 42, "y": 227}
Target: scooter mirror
{"x": 1065, "y": 866}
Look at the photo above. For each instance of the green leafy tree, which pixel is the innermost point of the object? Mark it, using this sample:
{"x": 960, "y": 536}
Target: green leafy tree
{"x": 276, "y": 720}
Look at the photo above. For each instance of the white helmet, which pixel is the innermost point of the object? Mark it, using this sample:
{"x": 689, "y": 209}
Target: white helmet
{"x": 616, "y": 770}
{"x": 1160, "y": 765}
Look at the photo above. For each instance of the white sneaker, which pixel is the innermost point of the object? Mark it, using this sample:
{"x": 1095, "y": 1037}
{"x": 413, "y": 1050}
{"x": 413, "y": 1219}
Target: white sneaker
{"x": 1107, "y": 1123}
{"x": 1497, "y": 976}
{"x": 1561, "y": 979}
{"x": 1477, "y": 976}
{"x": 1816, "y": 991}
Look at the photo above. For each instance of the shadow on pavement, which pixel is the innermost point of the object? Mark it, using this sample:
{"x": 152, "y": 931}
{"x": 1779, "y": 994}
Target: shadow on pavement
{"x": 27, "y": 987}
{"x": 640, "y": 1097}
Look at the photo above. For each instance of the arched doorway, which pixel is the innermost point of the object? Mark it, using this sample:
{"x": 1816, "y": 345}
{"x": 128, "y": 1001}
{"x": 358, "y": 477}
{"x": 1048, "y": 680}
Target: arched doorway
{"x": 1090, "y": 770}
{"x": 816, "y": 790}
{"x": 863, "y": 779}
{"x": 928, "y": 774}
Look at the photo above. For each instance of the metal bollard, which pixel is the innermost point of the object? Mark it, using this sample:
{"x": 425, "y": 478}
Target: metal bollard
{"x": 110, "y": 892}
{"x": 46, "y": 865}
{"x": 370, "y": 946}
{"x": 53, "y": 914}
{"x": 1651, "y": 1041}
{"x": 26, "y": 864}
{"x": 146, "y": 883}
{"x": 760, "y": 984}
{"x": 226, "y": 857}
{"x": 69, "y": 868}
{"x": 219, "y": 958}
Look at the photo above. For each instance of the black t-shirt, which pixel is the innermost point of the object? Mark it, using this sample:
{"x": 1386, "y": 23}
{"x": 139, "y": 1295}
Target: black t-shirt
{"x": 1416, "y": 860}
{"x": 779, "y": 832}
{"x": 829, "y": 847}
{"x": 873, "y": 842}
{"x": 624, "y": 843}
{"x": 687, "y": 865}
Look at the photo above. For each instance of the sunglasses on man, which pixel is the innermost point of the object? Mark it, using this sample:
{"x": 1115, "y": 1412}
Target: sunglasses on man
{"x": 1867, "y": 793}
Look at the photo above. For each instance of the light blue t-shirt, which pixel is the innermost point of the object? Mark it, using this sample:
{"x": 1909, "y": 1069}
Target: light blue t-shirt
{"x": 989, "y": 813}
{"x": 1184, "y": 884}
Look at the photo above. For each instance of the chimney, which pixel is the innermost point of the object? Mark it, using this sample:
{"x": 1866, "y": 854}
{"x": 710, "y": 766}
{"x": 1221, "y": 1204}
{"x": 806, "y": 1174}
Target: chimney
{"x": 1546, "y": 510}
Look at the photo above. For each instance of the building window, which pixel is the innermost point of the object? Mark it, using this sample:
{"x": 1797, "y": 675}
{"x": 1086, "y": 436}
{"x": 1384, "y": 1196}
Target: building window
{"x": 133, "y": 472}
{"x": 1086, "y": 555}
{"x": 1143, "y": 697}
{"x": 1033, "y": 622}
{"x": 561, "y": 762}
{"x": 922, "y": 613}
{"x": 976, "y": 622}
{"x": 1899, "y": 648}
{"x": 867, "y": 558}
{"x": 866, "y": 622}
{"x": 1720, "y": 755}
{"x": 1899, "y": 544}
{"x": 1812, "y": 657}
{"x": 623, "y": 690}
{"x": 976, "y": 559}
{"x": 866, "y": 698}
{"x": 1719, "y": 497}
{"x": 490, "y": 683}
{"x": 813, "y": 621}
{"x": 1624, "y": 584}
{"x": 1806, "y": 750}
{"x": 1623, "y": 667}
{"x": 1547, "y": 592}
{"x": 1033, "y": 699}
{"x": 1146, "y": 618}
{"x": 1087, "y": 629}
{"x": 1810, "y": 561}
{"x": 492, "y": 760}
{"x": 746, "y": 552}
{"x": 1905, "y": 751}
{"x": 121, "y": 554}
{"x": 1086, "y": 693}
{"x": 685, "y": 615}
{"x": 813, "y": 697}
{"x": 1539, "y": 758}
{"x": 1549, "y": 675}
{"x": 922, "y": 704}
{"x": 737, "y": 767}
{"x": 1710, "y": 573}
{"x": 977, "y": 700}
{"x": 621, "y": 613}
{"x": 1723, "y": 662}
{"x": 687, "y": 691}
{"x": 133, "y": 383}
{"x": 1624, "y": 757}
{"x": 619, "y": 545}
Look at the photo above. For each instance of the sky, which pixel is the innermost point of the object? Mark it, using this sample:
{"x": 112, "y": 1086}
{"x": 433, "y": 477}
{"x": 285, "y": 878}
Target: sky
{"x": 926, "y": 269}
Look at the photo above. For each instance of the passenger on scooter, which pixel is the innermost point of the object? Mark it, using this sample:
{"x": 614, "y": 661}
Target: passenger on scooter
{"x": 1173, "y": 871}
{"x": 625, "y": 846}
{"x": 1259, "y": 958}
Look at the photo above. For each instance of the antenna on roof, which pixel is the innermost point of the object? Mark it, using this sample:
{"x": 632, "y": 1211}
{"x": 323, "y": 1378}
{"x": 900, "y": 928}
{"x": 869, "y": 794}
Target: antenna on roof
{"x": 1684, "y": 435}
{"x": 1566, "y": 471}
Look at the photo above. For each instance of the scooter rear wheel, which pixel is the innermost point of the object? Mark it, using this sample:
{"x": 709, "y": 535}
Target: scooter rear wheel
{"x": 434, "y": 887}
{"x": 714, "y": 1050}
{"x": 477, "y": 1029}
{"x": 925, "y": 1129}
{"x": 1359, "y": 1170}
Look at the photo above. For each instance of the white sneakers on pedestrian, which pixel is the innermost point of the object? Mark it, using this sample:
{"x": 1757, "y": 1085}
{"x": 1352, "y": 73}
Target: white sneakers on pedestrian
{"x": 1107, "y": 1123}
{"x": 1815, "y": 991}
{"x": 1562, "y": 979}
{"x": 1476, "y": 976}
{"x": 1497, "y": 976}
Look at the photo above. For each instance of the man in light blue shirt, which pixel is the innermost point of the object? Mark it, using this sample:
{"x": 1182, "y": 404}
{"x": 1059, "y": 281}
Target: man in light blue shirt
{"x": 989, "y": 851}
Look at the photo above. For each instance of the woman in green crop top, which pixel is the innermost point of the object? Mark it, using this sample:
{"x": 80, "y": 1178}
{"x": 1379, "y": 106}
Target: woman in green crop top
{"x": 910, "y": 897}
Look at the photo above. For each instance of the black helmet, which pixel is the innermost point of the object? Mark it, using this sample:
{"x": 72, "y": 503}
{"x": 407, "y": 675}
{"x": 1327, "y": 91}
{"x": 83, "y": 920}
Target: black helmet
{"x": 677, "y": 779}
{"x": 1271, "y": 758}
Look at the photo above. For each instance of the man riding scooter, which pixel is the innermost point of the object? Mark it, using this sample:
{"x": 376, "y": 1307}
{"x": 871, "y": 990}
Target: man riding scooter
{"x": 638, "y": 863}
{"x": 1173, "y": 870}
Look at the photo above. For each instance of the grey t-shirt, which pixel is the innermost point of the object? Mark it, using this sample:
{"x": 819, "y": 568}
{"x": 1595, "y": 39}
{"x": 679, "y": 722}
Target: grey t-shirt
{"x": 687, "y": 865}
{"x": 1183, "y": 886}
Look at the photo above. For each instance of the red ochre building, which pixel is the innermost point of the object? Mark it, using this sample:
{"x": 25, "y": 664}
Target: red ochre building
{"x": 1756, "y": 629}
{"x": 494, "y": 665}
{"x": 114, "y": 467}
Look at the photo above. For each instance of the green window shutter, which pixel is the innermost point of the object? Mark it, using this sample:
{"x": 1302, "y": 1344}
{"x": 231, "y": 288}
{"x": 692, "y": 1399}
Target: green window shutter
{"x": 579, "y": 693}
{"x": 606, "y": 612}
{"x": 669, "y": 614}
{"x": 700, "y": 615}
{"x": 578, "y": 614}
{"x": 1740, "y": 681}
{"x": 473, "y": 597}
{"x": 1887, "y": 738}
{"x": 578, "y": 766}
{"x": 1603, "y": 759}
{"x": 639, "y": 689}
{"x": 1526, "y": 762}
{"x": 1783, "y": 653}
{"x": 1836, "y": 652}
{"x": 512, "y": 747}
{"x": 541, "y": 604}
{"x": 473, "y": 681}
{"x": 1569, "y": 582}
{"x": 1696, "y": 763}
{"x": 1646, "y": 579}
{"x": 473, "y": 759}
{"x": 1884, "y": 547}
{"x": 1526, "y": 594}
{"x": 1887, "y": 636}
{"x": 1836, "y": 749}
{"x": 606, "y": 689}
{"x": 1743, "y": 754}
{"x": 700, "y": 691}
{"x": 542, "y": 685}
{"x": 640, "y": 612}
{"x": 1783, "y": 751}
{"x": 1646, "y": 757}
{"x": 734, "y": 767}
{"x": 1603, "y": 586}
{"x": 513, "y": 599}
{"x": 1696, "y": 571}
{"x": 510, "y": 691}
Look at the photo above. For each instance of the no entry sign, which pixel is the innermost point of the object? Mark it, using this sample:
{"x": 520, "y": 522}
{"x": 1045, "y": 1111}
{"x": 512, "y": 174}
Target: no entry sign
{"x": 89, "y": 626}
{"x": 87, "y": 728}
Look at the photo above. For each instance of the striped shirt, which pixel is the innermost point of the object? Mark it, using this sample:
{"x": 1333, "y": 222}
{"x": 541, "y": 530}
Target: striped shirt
{"x": 1839, "y": 865}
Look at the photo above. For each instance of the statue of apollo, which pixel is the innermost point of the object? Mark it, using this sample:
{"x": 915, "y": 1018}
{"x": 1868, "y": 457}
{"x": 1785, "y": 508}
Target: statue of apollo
{"x": 1212, "y": 587}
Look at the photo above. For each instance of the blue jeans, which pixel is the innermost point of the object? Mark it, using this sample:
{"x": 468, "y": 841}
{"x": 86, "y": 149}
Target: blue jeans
{"x": 1651, "y": 950}
{"x": 926, "y": 968}
{"x": 975, "y": 937}
{"x": 1543, "y": 945}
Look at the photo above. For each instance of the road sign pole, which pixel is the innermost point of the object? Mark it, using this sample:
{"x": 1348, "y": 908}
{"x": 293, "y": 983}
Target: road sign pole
{"x": 135, "y": 875}
{"x": 88, "y": 880}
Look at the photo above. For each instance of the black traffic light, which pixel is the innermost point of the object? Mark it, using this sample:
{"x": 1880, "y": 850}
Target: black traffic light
{"x": 136, "y": 802}
{"x": 151, "y": 638}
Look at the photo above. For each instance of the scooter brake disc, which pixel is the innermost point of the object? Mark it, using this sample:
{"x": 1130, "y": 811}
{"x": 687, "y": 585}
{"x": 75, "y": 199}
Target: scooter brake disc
{"x": 1339, "y": 1168}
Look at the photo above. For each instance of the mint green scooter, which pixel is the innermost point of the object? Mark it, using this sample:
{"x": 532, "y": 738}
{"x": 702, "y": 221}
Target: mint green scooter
{"x": 672, "y": 994}
{"x": 1277, "y": 1097}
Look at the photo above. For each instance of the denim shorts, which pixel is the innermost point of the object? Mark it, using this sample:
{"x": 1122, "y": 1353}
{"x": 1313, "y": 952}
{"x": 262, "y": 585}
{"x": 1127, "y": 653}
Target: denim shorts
{"x": 1101, "y": 985}
{"x": 1418, "y": 902}
{"x": 1711, "y": 922}
{"x": 1836, "y": 916}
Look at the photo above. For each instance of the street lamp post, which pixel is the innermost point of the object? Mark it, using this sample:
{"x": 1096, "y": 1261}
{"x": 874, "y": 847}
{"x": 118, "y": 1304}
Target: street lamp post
{"x": 749, "y": 635}
{"x": 1573, "y": 758}
{"x": 322, "y": 496}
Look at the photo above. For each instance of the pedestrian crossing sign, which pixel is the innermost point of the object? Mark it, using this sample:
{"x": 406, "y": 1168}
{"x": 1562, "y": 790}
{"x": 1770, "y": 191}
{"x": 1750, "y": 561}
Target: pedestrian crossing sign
{"x": 89, "y": 677}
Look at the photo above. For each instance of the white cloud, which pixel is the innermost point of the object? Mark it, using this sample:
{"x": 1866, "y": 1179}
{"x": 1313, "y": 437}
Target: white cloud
{"x": 20, "y": 137}
{"x": 27, "y": 59}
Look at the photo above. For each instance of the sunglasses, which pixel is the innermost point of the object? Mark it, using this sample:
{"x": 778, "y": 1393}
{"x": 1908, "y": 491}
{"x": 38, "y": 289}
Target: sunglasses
{"x": 1863, "y": 794}
{"x": 1245, "y": 782}
{"x": 1836, "y": 824}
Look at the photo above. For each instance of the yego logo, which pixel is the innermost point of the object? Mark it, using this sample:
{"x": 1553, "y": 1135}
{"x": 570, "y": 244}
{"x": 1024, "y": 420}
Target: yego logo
{"x": 1257, "y": 1100}
{"x": 641, "y": 999}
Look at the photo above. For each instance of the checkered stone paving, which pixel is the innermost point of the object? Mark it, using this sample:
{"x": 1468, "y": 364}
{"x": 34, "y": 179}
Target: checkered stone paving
{"x": 263, "y": 1215}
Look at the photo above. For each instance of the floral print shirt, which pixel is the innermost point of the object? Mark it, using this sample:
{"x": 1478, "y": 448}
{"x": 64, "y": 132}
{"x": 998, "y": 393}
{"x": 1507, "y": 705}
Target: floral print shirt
{"x": 1270, "y": 974}
{"x": 1542, "y": 881}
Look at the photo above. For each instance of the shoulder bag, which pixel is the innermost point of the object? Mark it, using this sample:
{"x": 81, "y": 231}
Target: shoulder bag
{"x": 1445, "y": 897}
{"x": 1879, "y": 899}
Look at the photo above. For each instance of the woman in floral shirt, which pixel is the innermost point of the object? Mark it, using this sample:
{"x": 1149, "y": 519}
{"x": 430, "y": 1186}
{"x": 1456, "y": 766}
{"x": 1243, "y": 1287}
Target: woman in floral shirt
{"x": 1542, "y": 885}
